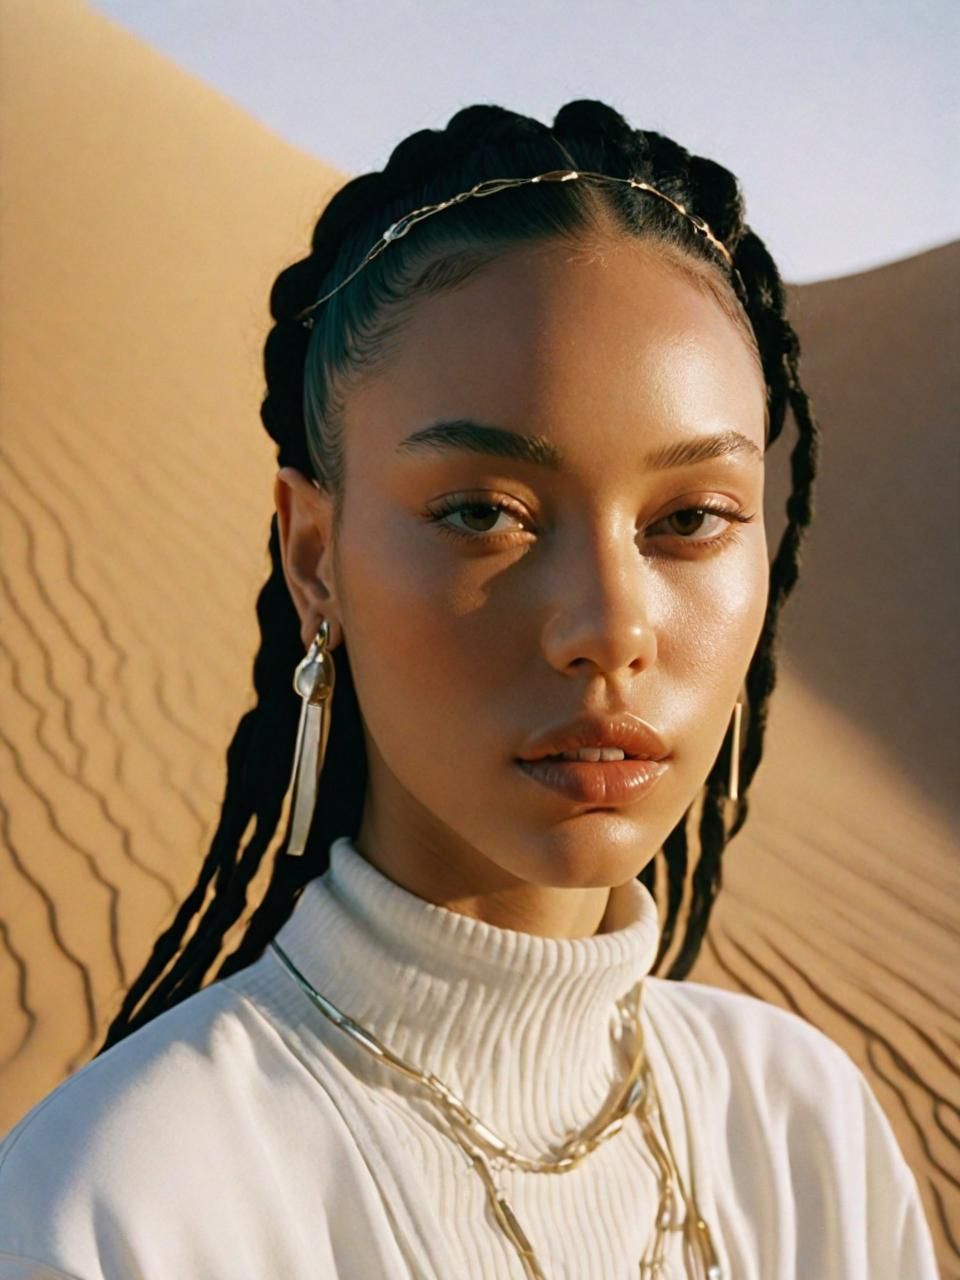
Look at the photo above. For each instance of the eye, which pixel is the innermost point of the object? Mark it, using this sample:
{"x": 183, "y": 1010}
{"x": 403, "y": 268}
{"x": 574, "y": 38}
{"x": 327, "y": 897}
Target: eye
{"x": 480, "y": 519}
{"x": 726, "y": 519}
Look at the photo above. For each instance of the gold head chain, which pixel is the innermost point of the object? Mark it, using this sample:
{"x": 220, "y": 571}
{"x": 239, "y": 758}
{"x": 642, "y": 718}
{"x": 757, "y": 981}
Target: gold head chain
{"x": 489, "y": 187}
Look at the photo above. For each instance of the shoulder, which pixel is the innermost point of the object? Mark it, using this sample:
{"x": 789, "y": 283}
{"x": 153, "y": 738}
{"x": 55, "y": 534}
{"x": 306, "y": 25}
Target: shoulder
{"x": 134, "y": 1105}
{"x": 155, "y": 1078}
{"x": 797, "y": 1116}
{"x": 753, "y": 1035}
{"x": 774, "y": 1065}
{"x": 199, "y": 1097}
{"x": 785, "y": 1074}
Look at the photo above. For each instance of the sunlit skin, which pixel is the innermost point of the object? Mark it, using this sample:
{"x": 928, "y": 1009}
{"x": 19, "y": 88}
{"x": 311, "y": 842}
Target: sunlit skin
{"x": 582, "y": 596}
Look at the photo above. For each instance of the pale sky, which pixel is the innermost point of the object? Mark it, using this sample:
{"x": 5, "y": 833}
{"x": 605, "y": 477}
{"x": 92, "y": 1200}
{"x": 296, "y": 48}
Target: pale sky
{"x": 841, "y": 117}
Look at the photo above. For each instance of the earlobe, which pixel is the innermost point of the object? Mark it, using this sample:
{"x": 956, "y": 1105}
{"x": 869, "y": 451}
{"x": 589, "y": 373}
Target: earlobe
{"x": 304, "y": 516}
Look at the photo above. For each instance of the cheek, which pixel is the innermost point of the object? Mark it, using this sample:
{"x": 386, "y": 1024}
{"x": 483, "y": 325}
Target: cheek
{"x": 706, "y": 647}
{"x": 719, "y": 613}
{"x": 422, "y": 632}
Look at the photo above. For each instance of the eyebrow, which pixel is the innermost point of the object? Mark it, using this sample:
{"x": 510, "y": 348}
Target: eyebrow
{"x": 464, "y": 435}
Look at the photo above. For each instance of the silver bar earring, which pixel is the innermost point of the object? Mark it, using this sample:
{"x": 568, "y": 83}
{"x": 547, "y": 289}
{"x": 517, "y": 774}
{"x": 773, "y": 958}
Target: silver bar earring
{"x": 313, "y": 680}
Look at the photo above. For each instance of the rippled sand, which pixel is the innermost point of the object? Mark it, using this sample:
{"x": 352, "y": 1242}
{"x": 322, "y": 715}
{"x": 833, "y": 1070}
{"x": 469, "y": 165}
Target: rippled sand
{"x": 143, "y": 221}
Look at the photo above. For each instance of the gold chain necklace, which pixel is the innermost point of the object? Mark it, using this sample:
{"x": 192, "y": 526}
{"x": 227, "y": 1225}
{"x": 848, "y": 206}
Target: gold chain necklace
{"x": 637, "y": 1095}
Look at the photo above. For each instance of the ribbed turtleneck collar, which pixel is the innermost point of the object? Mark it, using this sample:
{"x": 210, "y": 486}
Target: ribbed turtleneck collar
{"x": 523, "y": 1028}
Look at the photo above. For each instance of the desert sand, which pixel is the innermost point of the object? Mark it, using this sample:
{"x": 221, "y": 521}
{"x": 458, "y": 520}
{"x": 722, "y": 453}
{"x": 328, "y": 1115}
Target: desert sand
{"x": 144, "y": 218}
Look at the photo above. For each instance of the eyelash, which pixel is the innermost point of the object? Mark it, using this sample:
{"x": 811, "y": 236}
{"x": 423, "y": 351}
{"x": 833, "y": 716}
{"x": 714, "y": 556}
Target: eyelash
{"x": 437, "y": 516}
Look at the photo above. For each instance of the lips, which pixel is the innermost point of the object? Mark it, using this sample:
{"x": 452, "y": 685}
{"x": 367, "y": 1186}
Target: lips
{"x": 637, "y": 739}
{"x": 608, "y": 782}
{"x": 603, "y": 782}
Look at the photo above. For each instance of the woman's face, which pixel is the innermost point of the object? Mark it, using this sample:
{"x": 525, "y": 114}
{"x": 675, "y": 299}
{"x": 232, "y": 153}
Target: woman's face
{"x": 484, "y": 598}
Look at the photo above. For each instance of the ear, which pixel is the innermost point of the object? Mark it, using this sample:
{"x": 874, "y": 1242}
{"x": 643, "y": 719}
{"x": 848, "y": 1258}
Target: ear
{"x": 305, "y": 526}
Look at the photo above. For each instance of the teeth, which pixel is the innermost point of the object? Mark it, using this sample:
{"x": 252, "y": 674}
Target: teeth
{"x": 593, "y": 754}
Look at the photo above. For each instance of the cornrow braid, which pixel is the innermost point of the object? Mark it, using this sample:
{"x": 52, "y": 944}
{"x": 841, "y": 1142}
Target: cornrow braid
{"x": 301, "y": 412}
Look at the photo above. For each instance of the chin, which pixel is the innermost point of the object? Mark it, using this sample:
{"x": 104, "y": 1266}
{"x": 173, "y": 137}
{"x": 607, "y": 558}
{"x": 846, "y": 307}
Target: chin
{"x": 598, "y": 848}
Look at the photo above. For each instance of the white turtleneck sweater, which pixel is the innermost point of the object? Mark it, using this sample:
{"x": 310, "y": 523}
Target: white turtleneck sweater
{"x": 241, "y": 1136}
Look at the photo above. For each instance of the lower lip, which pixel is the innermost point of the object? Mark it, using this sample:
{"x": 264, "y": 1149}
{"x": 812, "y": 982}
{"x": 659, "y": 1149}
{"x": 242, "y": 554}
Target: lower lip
{"x": 606, "y": 782}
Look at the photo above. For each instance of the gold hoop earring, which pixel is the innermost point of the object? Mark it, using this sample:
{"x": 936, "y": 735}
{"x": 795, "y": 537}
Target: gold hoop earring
{"x": 733, "y": 788}
{"x": 313, "y": 680}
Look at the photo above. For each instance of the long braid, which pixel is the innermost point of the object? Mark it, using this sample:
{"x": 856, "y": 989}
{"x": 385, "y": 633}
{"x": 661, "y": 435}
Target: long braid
{"x": 259, "y": 757}
{"x": 265, "y": 771}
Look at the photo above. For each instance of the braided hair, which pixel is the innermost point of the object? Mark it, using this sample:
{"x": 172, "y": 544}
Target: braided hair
{"x": 307, "y": 371}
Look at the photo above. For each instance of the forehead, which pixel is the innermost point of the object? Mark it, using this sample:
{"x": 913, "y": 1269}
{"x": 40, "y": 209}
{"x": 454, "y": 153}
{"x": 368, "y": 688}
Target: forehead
{"x": 555, "y": 337}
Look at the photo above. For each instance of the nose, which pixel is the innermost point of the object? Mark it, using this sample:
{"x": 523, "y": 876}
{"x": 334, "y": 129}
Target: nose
{"x": 601, "y": 617}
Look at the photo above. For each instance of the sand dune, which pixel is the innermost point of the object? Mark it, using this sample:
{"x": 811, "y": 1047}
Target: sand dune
{"x": 873, "y": 628}
{"x": 143, "y": 221}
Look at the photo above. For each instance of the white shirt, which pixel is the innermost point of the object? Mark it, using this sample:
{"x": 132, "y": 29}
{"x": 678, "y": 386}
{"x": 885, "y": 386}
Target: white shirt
{"x": 241, "y": 1135}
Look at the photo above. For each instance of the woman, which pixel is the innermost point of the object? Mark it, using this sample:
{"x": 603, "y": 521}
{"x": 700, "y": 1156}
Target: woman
{"x": 522, "y": 389}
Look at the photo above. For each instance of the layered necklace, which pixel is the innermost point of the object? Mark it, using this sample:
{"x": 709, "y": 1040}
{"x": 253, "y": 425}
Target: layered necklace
{"x": 637, "y": 1095}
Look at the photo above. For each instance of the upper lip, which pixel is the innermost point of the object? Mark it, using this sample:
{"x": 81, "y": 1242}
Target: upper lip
{"x": 635, "y": 737}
